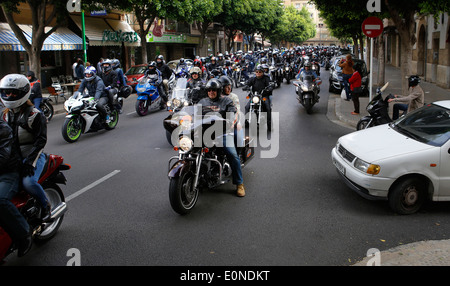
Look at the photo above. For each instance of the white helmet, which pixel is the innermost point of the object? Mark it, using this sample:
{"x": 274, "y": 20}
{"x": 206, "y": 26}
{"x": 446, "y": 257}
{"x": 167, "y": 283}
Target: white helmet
{"x": 19, "y": 86}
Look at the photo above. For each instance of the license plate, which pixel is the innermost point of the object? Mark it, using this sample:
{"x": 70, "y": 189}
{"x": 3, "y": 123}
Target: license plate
{"x": 339, "y": 166}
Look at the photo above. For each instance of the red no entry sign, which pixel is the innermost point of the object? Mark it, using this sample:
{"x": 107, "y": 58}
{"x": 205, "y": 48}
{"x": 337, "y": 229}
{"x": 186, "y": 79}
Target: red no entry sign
{"x": 372, "y": 27}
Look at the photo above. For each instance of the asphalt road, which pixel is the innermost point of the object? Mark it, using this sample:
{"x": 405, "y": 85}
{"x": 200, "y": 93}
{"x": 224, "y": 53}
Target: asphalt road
{"x": 296, "y": 211}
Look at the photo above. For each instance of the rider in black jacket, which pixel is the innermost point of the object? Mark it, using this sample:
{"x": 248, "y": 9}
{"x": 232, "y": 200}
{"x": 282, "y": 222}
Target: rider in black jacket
{"x": 258, "y": 84}
{"x": 110, "y": 79}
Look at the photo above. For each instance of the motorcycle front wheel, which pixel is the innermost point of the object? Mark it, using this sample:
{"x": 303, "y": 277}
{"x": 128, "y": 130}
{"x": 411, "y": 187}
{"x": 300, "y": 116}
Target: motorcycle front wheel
{"x": 141, "y": 107}
{"x": 182, "y": 194}
{"x": 71, "y": 129}
{"x": 308, "y": 105}
{"x": 47, "y": 109}
{"x": 364, "y": 124}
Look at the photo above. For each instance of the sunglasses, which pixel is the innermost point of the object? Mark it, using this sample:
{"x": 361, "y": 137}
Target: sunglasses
{"x": 258, "y": 72}
{"x": 209, "y": 90}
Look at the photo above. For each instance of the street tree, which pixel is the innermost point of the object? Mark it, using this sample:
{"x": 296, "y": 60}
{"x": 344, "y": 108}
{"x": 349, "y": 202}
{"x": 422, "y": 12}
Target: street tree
{"x": 44, "y": 13}
{"x": 203, "y": 14}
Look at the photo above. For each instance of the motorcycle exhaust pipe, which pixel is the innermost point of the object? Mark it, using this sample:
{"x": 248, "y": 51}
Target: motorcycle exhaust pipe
{"x": 58, "y": 211}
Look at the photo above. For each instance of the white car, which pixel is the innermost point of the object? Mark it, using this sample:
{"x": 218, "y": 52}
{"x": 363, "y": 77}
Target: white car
{"x": 406, "y": 161}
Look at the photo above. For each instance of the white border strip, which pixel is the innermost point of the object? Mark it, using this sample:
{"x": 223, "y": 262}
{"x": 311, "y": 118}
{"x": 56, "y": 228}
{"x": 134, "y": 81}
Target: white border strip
{"x": 90, "y": 186}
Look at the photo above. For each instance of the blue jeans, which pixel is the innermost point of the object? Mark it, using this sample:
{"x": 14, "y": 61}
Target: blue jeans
{"x": 233, "y": 158}
{"x": 396, "y": 110}
{"x": 31, "y": 185}
{"x": 11, "y": 220}
{"x": 37, "y": 103}
{"x": 345, "y": 78}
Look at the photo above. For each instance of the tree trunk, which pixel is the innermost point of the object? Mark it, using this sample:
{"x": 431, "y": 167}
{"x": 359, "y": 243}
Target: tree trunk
{"x": 381, "y": 71}
{"x": 143, "y": 31}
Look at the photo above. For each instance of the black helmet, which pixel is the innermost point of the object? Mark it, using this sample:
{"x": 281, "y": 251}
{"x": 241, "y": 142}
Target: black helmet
{"x": 413, "y": 80}
{"x": 106, "y": 65}
{"x": 214, "y": 84}
{"x": 225, "y": 80}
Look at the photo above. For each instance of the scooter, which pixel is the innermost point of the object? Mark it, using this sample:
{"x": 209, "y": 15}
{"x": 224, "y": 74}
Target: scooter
{"x": 378, "y": 110}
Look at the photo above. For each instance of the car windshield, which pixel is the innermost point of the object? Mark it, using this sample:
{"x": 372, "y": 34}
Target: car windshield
{"x": 429, "y": 124}
{"x": 136, "y": 70}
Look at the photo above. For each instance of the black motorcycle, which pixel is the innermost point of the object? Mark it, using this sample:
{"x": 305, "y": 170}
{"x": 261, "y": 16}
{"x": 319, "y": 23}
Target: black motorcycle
{"x": 378, "y": 109}
{"x": 256, "y": 105}
{"x": 288, "y": 72}
{"x": 199, "y": 165}
{"x": 47, "y": 108}
{"x": 307, "y": 90}
{"x": 276, "y": 74}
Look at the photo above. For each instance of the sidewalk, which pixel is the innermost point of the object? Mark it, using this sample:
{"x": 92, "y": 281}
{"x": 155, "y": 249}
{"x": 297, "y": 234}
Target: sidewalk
{"x": 422, "y": 253}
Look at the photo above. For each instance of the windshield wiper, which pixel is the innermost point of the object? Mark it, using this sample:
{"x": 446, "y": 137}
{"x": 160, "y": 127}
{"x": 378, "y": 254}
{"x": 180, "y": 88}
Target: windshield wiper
{"x": 409, "y": 133}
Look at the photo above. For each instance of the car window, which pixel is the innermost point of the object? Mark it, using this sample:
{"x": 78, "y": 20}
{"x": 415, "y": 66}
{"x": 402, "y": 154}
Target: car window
{"x": 429, "y": 124}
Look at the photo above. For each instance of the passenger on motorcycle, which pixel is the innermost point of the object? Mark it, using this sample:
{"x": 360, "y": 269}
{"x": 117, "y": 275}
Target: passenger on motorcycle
{"x": 197, "y": 85}
{"x": 258, "y": 84}
{"x": 29, "y": 138}
{"x": 166, "y": 72}
{"x": 96, "y": 88}
{"x": 36, "y": 93}
{"x": 198, "y": 63}
{"x": 223, "y": 105}
{"x": 153, "y": 70}
{"x": 110, "y": 79}
{"x": 124, "y": 89}
{"x": 227, "y": 86}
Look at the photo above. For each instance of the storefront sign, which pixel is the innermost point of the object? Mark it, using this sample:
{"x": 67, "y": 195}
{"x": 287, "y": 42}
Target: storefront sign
{"x": 168, "y": 38}
{"x": 119, "y": 36}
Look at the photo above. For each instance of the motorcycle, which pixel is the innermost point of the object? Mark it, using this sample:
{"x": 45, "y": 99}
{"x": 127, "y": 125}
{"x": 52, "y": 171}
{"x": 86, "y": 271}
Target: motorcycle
{"x": 277, "y": 74}
{"x": 256, "y": 106}
{"x": 199, "y": 166}
{"x": 148, "y": 98}
{"x": 378, "y": 109}
{"x": 180, "y": 96}
{"x": 307, "y": 90}
{"x": 31, "y": 209}
{"x": 83, "y": 117}
{"x": 288, "y": 72}
{"x": 47, "y": 108}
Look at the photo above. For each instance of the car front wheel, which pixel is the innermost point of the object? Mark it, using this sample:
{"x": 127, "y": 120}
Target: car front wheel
{"x": 407, "y": 196}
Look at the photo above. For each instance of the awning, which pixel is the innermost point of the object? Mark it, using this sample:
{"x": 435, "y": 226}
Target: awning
{"x": 107, "y": 32}
{"x": 61, "y": 39}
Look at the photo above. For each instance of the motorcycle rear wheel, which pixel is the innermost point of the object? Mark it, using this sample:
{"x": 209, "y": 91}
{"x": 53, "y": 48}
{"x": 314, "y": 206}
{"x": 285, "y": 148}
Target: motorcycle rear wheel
{"x": 55, "y": 196}
{"x": 182, "y": 194}
{"x": 114, "y": 120}
{"x": 71, "y": 129}
{"x": 47, "y": 109}
{"x": 141, "y": 107}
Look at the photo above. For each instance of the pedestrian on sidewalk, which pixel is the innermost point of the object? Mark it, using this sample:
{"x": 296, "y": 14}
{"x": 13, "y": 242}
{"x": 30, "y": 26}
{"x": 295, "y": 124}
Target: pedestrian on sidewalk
{"x": 355, "y": 86}
{"x": 347, "y": 72}
{"x": 414, "y": 100}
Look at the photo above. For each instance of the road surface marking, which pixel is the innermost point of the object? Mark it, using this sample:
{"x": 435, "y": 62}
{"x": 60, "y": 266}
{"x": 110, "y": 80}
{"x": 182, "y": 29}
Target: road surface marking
{"x": 90, "y": 186}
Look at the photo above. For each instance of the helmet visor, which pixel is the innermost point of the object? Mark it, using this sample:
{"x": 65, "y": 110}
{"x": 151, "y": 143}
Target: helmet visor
{"x": 12, "y": 94}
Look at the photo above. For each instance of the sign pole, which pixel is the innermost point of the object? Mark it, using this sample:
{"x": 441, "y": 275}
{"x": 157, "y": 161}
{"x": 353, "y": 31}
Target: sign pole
{"x": 371, "y": 72}
{"x": 84, "y": 36}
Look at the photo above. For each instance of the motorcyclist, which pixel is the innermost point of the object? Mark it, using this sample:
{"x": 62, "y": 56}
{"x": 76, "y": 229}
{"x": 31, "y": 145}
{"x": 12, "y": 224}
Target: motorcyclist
{"x": 223, "y": 104}
{"x": 212, "y": 65}
{"x": 198, "y": 63}
{"x": 227, "y": 90}
{"x": 412, "y": 101}
{"x": 29, "y": 138}
{"x": 110, "y": 79}
{"x": 166, "y": 72}
{"x": 153, "y": 70}
{"x": 257, "y": 84}
{"x": 197, "y": 85}
{"x": 306, "y": 70}
{"x": 124, "y": 89}
{"x": 36, "y": 92}
{"x": 96, "y": 88}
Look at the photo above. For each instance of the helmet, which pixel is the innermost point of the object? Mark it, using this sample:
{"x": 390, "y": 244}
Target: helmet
{"x": 91, "y": 71}
{"x": 115, "y": 63}
{"x": 197, "y": 63}
{"x": 17, "y": 84}
{"x": 214, "y": 84}
{"x": 225, "y": 80}
{"x": 413, "y": 80}
{"x": 181, "y": 61}
{"x": 152, "y": 64}
{"x": 106, "y": 65}
{"x": 195, "y": 70}
{"x": 308, "y": 64}
{"x": 259, "y": 68}
{"x": 265, "y": 67}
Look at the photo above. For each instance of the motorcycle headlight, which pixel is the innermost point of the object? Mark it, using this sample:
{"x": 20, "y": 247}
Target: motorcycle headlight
{"x": 365, "y": 167}
{"x": 186, "y": 103}
{"x": 255, "y": 99}
{"x": 185, "y": 144}
{"x": 176, "y": 102}
{"x": 287, "y": 69}
{"x": 304, "y": 87}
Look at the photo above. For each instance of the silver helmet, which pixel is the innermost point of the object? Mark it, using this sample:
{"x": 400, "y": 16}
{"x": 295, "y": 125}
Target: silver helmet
{"x": 15, "y": 90}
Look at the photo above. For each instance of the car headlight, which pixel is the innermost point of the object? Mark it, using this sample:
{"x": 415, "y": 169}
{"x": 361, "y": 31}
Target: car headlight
{"x": 255, "y": 99}
{"x": 365, "y": 167}
{"x": 185, "y": 144}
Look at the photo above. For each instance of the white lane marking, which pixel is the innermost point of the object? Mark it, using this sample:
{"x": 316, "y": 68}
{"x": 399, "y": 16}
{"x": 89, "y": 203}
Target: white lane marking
{"x": 90, "y": 186}
{"x": 131, "y": 113}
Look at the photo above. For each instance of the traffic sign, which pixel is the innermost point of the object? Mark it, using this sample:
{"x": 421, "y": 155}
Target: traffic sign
{"x": 372, "y": 27}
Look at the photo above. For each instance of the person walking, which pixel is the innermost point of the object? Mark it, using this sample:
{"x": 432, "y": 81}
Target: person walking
{"x": 355, "y": 86}
{"x": 347, "y": 72}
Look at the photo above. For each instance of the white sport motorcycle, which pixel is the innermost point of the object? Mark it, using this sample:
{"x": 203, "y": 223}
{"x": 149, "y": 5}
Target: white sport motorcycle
{"x": 83, "y": 117}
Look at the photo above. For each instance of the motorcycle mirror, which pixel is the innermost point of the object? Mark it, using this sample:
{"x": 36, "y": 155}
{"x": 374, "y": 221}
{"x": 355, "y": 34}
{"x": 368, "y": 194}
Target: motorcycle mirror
{"x": 384, "y": 87}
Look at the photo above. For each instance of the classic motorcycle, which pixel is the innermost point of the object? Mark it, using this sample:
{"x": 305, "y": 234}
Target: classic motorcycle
{"x": 31, "y": 209}
{"x": 307, "y": 90}
{"x": 202, "y": 165}
{"x": 256, "y": 105}
{"x": 148, "y": 98}
{"x": 179, "y": 97}
{"x": 378, "y": 109}
{"x": 47, "y": 108}
{"x": 276, "y": 75}
{"x": 83, "y": 117}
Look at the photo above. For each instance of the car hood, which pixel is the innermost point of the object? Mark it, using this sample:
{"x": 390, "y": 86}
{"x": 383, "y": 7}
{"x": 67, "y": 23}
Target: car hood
{"x": 380, "y": 142}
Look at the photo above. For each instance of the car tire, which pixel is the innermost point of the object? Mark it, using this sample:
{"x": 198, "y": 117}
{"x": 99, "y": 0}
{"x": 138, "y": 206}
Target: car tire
{"x": 407, "y": 196}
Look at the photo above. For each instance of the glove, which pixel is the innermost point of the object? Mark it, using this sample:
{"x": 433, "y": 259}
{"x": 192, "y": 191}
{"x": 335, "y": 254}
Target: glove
{"x": 27, "y": 170}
